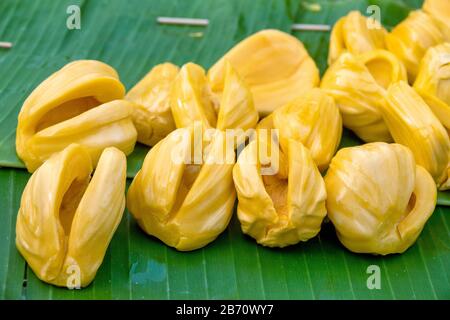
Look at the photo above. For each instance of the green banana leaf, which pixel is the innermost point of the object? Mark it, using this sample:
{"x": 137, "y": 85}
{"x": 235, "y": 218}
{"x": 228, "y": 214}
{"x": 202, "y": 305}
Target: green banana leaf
{"x": 137, "y": 266}
{"x": 125, "y": 35}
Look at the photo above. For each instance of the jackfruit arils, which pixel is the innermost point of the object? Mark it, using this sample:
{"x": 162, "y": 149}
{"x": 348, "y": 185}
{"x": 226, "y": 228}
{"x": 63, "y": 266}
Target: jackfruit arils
{"x": 358, "y": 85}
{"x": 355, "y": 34}
{"x": 283, "y": 208}
{"x": 378, "y": 198}
{"x": 312, "y": 119}
{"x": 275, "y": 65}
{"x": 66, "y": 219}
{"x": 81, "y": 103}
{"x": 433, "y": 82}
{"x": 192, "y": 101}
{"x": 151, "y": 111}
{"x": 439, "y": 11}
{"x": 410, "y": 39}
{"x": 413, "y": 124}
{"x": 186, "y": 204}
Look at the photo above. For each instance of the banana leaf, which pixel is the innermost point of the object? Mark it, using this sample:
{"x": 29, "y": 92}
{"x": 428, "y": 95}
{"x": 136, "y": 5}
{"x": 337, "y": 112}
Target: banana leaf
{"x": 125, "y": 35}
{"x": 138, "y": 266}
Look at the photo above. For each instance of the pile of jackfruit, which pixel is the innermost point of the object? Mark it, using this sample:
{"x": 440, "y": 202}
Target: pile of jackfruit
{"x": 392, "y": 89}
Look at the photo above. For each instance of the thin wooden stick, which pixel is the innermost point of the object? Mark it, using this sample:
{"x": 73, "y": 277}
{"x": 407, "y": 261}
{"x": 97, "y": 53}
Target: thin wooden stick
{"x": 183, "y": 21}
{"x": 205, "y": 22}
{"x": 6, "y": 45}
{"x": 310, "y": 27}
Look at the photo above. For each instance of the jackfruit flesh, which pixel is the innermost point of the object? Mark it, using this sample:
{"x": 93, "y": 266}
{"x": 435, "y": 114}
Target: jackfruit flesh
{"x": 439, "y": 11}
{"x": 192, "y": 100}
{"x": 67, "y": 219}
{"x": 81, "y": 103}
{"x": 413, "y": 124}
{"x": 433, "y": 82}
{"x": 378, "y": 198}
{"x": 410, "y": 39}
{"x": 358, "y": 84}
{"x": 355, "y": 34}
{"x": 184, "y": 200}
{"x": 312, "y": 119}
{"x": 151, "y": 112}
{"x": 280, "y": 209}
{"x": 275, "y": 65}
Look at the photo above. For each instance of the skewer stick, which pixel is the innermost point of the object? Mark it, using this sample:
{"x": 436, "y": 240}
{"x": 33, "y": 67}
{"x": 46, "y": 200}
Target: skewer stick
{"x": 205, "y": 22}
{"x": 6, "y": 45}
{"x": 183, "y": 21}
{"x": 310, "y": 27}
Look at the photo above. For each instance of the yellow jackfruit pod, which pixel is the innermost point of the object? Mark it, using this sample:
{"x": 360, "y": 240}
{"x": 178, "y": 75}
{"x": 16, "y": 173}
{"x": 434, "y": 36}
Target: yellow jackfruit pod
{"x": 77, "y": 104}
{"x": 67, "y": 219}
{"x": 356, "y": 34}
{"x": 275, "y": 65}
{"x": 312, "y": 119}
{"x": 439, "y": 11}
{"x": 358, "y": 84}
{"x": 151, "y": 112}
{"x": 378, "y": 198}
{"x": 433, "y": 82}
{"x": 285, "y": 208}
{"x": 185, "y": 198}
{"x": 413, "y": 124}
{"x": 410, "y": 39}
{"x": 192, "y": 101}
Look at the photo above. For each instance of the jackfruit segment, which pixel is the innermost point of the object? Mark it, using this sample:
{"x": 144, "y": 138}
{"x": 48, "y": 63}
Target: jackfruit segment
{"x": 284, "y": 208}
{"x": 378, "y": 198}
{"x": 67, "y": 219}
{"x": 192, "y": 101}
{"x": 185, "y": 199}
{"x": 80, "y": 103}
{"x": 433, "y": 82}
{"x": 413, "y": 124}
{"x": 439, "y": 11}
{"x": 358, "y": 93}
{"x": 151, "y": 112}
{"x": 275, "y": 65}
{"x": 410, "y": 39}
{"x": 355, "y": 34}
{"x": 314, "y": 120}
